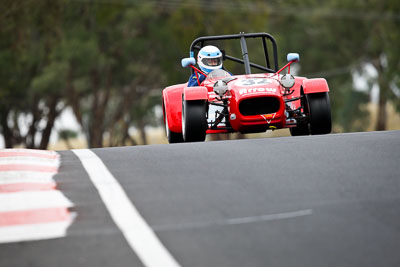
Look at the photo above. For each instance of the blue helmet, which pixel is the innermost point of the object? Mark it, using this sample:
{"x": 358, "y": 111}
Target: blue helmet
{"x": 209, "y": 58}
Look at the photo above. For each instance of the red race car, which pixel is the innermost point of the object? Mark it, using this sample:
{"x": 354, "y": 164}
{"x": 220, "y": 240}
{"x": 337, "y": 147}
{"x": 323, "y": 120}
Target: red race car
{"x": 248, "y": 103}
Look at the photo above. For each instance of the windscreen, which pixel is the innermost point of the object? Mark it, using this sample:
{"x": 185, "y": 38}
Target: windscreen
{"x": 217, "y": 74}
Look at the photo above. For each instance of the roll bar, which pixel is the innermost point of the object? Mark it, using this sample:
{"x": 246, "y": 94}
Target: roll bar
{"x": 198, "y": 43}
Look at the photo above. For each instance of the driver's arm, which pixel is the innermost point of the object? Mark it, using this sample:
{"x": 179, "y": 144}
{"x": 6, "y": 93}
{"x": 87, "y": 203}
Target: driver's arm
{"x": 192, "y": 80}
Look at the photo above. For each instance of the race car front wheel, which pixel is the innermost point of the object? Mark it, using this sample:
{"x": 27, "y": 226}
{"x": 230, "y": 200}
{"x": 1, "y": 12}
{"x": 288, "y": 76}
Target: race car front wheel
{"x": 194, "y": 120}
{"x": 319, "y": 109}
{"x": 303, "y": 127}
{"x": 172, "y": 136}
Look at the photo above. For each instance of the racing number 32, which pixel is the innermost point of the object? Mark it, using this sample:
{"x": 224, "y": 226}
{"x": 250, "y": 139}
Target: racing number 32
{"x": 250, "y": 82}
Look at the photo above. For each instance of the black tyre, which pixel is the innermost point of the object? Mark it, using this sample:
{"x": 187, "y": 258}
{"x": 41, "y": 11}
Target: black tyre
{"x": 319, "y": 110}
{"x": 172, "y": 137}
{"x": 301, "y": 129}
{"x": 194, "y": 120}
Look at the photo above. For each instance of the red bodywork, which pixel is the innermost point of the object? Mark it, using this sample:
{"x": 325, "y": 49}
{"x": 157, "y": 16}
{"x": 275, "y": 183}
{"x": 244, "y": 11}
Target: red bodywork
{"x": 244, "y": 93}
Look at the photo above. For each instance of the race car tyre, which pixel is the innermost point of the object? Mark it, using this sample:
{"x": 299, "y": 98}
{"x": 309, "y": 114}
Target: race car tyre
{"x": 172, "y": 136}
{"x": 301, "y": 129}
{"x": 319, "y": 109}
{"x": 194, "y": 120}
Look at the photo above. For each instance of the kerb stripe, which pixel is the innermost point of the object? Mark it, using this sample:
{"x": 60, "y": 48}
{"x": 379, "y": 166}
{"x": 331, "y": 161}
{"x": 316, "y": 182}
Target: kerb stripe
{"x": 18, "y": 187}
{"x": 34, "y": 216}
{"x": 26, "y": 167}
{"x": 7, "y": 154}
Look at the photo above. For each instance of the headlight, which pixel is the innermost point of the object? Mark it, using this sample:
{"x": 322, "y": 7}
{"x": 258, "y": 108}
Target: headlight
{"x": 287, "y": 81}
{"x": 220, "y": 87}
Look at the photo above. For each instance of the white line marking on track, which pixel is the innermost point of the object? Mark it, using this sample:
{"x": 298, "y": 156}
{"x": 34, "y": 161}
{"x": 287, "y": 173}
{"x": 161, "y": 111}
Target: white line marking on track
{"x": 269, "y": 217}
{"x": 233, "y": 221}
{"x": 137, "y": 232}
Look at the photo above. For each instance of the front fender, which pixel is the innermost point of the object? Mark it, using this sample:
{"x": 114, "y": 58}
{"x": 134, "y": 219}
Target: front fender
{"x": 318, "y": 85}
{"x": 172, "y": 105}
{"x": 195, "y": 93}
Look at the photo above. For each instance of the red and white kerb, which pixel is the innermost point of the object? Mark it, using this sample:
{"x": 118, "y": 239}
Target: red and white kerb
{"x": 31, "y": 207}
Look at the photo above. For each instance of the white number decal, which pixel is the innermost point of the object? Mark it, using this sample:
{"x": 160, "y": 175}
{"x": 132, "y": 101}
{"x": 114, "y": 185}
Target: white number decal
{"x": 252, "y": 82}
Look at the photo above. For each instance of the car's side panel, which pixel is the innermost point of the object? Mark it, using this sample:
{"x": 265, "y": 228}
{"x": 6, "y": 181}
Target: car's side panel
{"x": 172, "y": 102}
{"x": 318, "y": 85}
{"x": 195, "y": 93}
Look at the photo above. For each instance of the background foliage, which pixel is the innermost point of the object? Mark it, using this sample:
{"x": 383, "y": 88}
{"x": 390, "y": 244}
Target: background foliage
{"x": 109, "y": 60}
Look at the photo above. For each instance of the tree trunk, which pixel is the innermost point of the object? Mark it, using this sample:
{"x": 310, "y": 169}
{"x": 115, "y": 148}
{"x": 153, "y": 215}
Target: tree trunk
{"x": 95, "y": 123}
{"x": 100, "y": 101}
{"x": 30, "y": 137}
{"x": 7, "y": 133}
{"x": 118, "y": 118}
{"x": 383, "y": 88}
{"x": 127, "y": 138}
{"x": 142, "y": 131}
{"x": 51, "y": 117}
{"x": 381, "y": 118}
{"x": 68, "y": 143}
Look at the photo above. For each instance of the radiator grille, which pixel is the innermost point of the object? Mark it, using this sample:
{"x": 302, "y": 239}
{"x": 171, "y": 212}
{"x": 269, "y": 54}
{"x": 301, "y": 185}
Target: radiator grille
{"x": 259, "y": 105}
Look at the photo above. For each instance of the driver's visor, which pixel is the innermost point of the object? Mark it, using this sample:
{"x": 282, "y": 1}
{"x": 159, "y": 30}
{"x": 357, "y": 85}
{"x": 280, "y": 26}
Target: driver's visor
{"x": 212, "y": 62}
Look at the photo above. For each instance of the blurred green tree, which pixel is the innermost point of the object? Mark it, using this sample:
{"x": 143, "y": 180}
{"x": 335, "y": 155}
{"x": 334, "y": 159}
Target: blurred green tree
{"x": 27, "y": 36}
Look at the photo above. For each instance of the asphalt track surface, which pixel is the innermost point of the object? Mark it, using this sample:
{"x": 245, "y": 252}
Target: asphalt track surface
{"x": 295, "y": 201}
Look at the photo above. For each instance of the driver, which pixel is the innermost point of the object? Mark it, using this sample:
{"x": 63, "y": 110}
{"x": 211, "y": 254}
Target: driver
{"x": 209, "y": 58}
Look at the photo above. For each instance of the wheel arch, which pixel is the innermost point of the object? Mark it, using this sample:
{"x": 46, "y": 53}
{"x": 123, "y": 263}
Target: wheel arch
{"x": 195, "y": 93}
{"x": 317, "y": 85}
{"x": 172, "y": 106}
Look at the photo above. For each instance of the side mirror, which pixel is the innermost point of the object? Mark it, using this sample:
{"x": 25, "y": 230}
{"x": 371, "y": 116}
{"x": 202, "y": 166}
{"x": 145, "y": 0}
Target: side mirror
{"x": 189, "y": 61}
{"x": 293, "y": 57}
